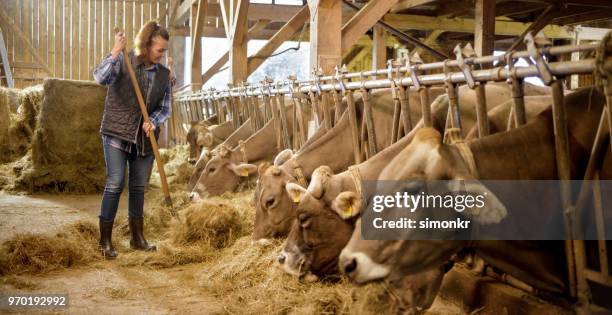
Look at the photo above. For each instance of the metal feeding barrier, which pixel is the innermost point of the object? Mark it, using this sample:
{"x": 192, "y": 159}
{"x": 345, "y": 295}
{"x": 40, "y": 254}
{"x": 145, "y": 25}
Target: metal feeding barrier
{"x": 266, "y": 101}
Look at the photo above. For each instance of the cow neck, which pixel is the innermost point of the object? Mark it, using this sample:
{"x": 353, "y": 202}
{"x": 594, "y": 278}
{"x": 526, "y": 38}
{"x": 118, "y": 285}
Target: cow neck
{"x": 331, "y": 149}
{"x": 258, "y": 146}
{"x": 527, "y": 152}
{"x": 243, "y": 132}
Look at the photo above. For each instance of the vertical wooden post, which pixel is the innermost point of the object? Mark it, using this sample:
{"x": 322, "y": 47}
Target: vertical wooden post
{"x": 353, "y": 122}
{"x": 325, "y": 34}
{"x": 484, "y": 45}
{"x": 379, "y": 48}
{"x": 198, "y": 13}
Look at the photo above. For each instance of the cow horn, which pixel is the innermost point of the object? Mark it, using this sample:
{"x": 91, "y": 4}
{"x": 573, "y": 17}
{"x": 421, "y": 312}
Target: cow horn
{"x": 320, "y": 179}
{"x": 283, "y": 157}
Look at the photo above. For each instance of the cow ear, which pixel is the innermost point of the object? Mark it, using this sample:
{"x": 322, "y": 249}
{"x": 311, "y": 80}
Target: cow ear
{"x": 347, "y": 204}
{"x": 194, "y": 123}
{"x": 491, "y": 211}
{"x": 243, "y": 169}
{"x": 283, "y": 157}
{"x": 295, "y": 191}
{"x": 320, "y": 178}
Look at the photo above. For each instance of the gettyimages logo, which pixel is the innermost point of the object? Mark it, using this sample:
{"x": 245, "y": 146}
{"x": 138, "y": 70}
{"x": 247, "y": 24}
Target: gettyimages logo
{"x": 472, "y": 210}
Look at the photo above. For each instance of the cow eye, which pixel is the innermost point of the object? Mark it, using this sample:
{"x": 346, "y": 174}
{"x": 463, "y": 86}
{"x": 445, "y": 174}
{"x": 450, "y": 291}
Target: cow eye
{"x": 270, "y": 202}
{"x": 304, "y": 220}
{"x": 211, "y": 170}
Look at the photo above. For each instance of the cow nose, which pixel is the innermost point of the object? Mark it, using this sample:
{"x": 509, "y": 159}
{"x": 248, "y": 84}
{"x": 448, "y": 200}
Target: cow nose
{"x": 350, "y": 266}
{"x": 191, "y": 161}
{"x": 193, "y": 196}
{"x": 281, "y": 258}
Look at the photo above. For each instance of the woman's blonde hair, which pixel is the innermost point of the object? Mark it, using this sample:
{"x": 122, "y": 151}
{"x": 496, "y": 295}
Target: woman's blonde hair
{"x": 145, "y": 36}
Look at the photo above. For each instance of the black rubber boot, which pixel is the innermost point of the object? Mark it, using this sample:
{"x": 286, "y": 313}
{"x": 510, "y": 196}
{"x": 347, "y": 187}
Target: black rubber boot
{"x": 106, "y": 244}
{"x": 138, "y": 241}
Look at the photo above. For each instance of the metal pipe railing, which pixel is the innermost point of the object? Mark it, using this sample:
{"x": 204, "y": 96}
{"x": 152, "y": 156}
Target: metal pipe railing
{"x": 328, "y": 83}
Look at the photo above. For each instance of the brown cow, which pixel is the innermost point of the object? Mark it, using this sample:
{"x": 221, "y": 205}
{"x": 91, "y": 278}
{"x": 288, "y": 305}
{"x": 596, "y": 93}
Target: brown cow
{"x": 202, "y": 135}
{"x": 225, "y": 171}
{"x": 316, "y": 202}
{"x": 243, "y": 132}
{"x": 538, "y": 263}
{"x": 274, "y": 209}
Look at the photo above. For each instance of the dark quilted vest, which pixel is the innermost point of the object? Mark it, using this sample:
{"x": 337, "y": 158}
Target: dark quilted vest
{"x": 122, "y": 117}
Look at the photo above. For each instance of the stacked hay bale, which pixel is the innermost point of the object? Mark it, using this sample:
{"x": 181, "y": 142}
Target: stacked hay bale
{"x": 176, "y": 164}
{"x": 18, "y": 111}
{"x": 66, "y": 148}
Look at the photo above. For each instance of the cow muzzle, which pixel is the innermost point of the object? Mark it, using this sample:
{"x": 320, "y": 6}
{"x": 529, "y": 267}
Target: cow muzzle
{"x": 361, "y": 268}
{"x": 191, "y": 160}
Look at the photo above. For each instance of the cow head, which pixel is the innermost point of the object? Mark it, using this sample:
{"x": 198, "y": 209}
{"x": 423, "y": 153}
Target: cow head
{"x": 198, "y": 136}
{"x": 205, "y": 156}
{"x": 318, "y": 234}
{"x": 274, "y": 210}
{"x": 221, "y": 174}
{"x": 426, "y": 158}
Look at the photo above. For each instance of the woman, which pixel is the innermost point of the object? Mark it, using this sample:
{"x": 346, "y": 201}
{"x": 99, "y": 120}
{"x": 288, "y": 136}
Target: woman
{"x": 124, "y": 134}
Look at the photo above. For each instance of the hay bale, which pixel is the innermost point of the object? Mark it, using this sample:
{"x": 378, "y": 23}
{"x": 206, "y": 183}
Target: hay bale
{"x": 34, "y": 254}
{"x": 176, "y": 165}
{"x": 66, "y": 147}
{"x": 22, "y": 108}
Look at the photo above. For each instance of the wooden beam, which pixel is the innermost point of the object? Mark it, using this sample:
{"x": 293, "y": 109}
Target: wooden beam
{"x": 517, "y": 8}
{"x": 484, "y": 31}
{"x": 257, "y": 11}
{"x": 198, "y": 12}
{"x": 365, "y": 19}
{"x": 430, "y": 40}
{"x": 28, "y": 45}
{"x": 584, "y": 17}
{"x": 216, "y": 67}
{"x": 407, "y": 4}
{"x": 416, "y": 22}
{"x": 210, "y": 31}
{"x": 454, "y": 8}
{"x": 379, "y": 48}
{"x": 325, "y": 34}
{"x": 238, "y": 51}
{"x": 536, "y": 26}
{"x": 350, "y": 56}
{"x": 286, "y": 32}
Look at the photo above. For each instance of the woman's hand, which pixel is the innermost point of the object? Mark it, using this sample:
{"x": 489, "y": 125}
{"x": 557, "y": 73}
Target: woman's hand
{"x": 120, "y": 43}
{"x": 147, "y": 127}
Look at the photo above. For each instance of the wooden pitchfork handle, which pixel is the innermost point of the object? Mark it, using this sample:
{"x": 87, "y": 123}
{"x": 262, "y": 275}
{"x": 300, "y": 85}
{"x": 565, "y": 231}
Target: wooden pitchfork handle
{"x": 143, "y": 109}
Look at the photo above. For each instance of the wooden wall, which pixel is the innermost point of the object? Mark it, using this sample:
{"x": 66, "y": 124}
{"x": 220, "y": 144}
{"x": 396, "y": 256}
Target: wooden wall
{"x": 70, "y": 36}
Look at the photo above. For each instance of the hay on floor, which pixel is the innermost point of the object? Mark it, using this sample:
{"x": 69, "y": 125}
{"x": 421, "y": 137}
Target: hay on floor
{"x": 66, "y": 147}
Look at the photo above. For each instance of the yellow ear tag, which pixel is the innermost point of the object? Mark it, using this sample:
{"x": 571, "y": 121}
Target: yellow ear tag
{"x": 296, "y": 199}
{"x": 348, "y": 212}
{"x": 244, "y": 173}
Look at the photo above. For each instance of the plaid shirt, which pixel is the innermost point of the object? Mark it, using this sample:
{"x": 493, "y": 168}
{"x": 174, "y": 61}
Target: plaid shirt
{"x": 108, "y": 72}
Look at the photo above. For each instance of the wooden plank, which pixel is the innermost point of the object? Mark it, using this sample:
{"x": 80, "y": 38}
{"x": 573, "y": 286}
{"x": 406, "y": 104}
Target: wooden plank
{"x": 325, "y": 34}
{"x": 484, "y": 31}
{"x": 379, "y": 48}
{"x": 198, "y": 14}
{"x": 225, "y": 12}
{"x": 129, "y": 21}
{"x": 23, "y": 39}
{"x": 407, "y": 4}
{"x": 26, "y": 26}
{"x": 120, "y": 15}
{"x": 363, "y": 20}
{"x": 416, "y": 22}
{"x": 536, "y": 26}
{"x": 75, "y": 58}
{"x": 138, "y": 18}
{"x": 212, "y": 70}
{"x": 83, "y": 64}
{"x": 238, "y": 53}
{"x": 43, "y": 35}
{"x": 146, "y": 7}
{"x": 91, "y": 52}
{"x": 98, "y": 33}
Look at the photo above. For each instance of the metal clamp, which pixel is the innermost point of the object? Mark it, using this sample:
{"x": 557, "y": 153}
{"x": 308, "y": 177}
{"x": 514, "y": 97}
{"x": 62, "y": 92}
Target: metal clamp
{"x": 411, "y": 68}
{"x": 538, "y": 57}
{"x": 317, "y": 74}
{"x": 464, "y": 67}
{"x": 340, "y": 78}
{"x": 391, "y": 80}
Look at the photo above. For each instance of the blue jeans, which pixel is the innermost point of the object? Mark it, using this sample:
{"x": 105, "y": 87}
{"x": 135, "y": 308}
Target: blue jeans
{"x": 139, "y": 168}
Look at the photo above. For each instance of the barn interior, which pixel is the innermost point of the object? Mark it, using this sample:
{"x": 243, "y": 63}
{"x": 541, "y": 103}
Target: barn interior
{"x": 290, "y": 71}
